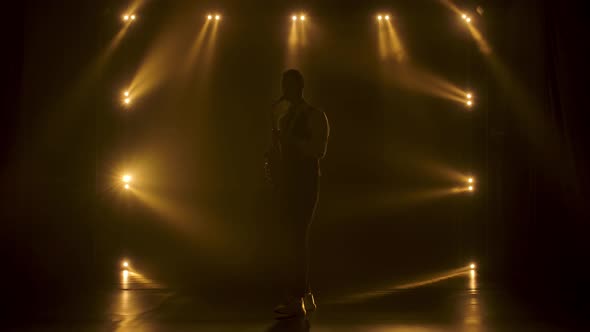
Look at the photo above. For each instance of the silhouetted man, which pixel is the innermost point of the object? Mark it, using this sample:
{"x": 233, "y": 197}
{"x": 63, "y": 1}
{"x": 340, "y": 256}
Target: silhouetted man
{"x": 300, "y": 137}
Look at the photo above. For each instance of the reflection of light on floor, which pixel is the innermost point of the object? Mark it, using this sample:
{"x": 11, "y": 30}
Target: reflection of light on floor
{"x": 472, "y": 318}
{"x": 131, "y": 279}
{"x": 472, "y": 281}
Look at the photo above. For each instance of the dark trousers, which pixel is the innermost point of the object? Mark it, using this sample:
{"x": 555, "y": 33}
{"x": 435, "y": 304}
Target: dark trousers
{"x": 298, "y": 195}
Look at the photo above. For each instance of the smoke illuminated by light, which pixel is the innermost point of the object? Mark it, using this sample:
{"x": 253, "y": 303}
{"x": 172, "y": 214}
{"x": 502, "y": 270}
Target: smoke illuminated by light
{"x": 297, "y": 40}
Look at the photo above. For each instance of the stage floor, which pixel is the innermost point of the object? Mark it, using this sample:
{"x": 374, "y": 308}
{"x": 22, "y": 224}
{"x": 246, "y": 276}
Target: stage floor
{"x": 448, "y": 302}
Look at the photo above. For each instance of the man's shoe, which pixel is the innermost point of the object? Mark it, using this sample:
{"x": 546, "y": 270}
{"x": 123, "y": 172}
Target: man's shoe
{"x": 291, "y": 309}
{"x": 309, "y": 303}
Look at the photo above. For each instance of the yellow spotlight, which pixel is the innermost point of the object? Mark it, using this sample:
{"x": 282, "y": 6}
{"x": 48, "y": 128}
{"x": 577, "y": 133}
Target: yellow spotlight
{"x": 126, "y": 18}
{"x": 217, "y": 17}
{"x": 472, "y": 266}
{"x": 126, "y": 93}
{"x": 379, "y": 17}
{"x": 127, "y": 186}
{"x": 209, "y": 17}
{"x": 469, "y": 96}
{"x": 125, "y": 274}
{"x": 133, "y": 17}
{"x": 302, "y": 17}
{"x": 469, "y": 103}
{"x": 294, "y": 18}
{"x": 468, "y": 19}
{"x": 470, "y": 188}
{"x": 464, "y": 16}
{"x": 127, "y": 100}
{"x": 127, "y": 178}
{"x": 387, "y": 17}
{"x": 470, "y": 180}
{"x": 125, "y": 264}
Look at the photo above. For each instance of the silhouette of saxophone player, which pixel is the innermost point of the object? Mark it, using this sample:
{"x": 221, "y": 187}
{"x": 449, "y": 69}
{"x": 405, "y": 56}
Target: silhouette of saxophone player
{"x": 299, "y": 141}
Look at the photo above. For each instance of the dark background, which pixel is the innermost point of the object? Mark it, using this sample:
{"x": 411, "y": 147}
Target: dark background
{"x": 66, "y": 224}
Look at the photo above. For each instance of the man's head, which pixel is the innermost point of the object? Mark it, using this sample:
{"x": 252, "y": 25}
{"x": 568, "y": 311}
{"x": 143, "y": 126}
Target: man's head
{"x": 292, "y": 85}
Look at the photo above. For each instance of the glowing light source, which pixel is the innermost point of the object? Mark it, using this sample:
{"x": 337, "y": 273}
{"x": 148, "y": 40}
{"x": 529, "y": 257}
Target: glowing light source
{"x": 209, "y": 17}
{"x": 472, "y": 266}
{"x": 302, "y": 17}
{"x": 294, "y": 18}
{"x": 470, "y": 180}
{"x": 466, "y": 18}
{"x": 469, "y": 95}
{"x": 469, "y": 103}
{"x": 125, "y": 275}
{"x": 127, "y": 186}
{"x": 387, "y": 17}
{"x": 125, "y": 264}
{"x": 133, "y": 17}
{"x": 126, "y": 93}
{"x": 126, "y": 18}
{"x": 470, "y": 188}
{"x": 217, "y": 17}
{"x": 379, "y": 17}
{"x": 127, "y": 178}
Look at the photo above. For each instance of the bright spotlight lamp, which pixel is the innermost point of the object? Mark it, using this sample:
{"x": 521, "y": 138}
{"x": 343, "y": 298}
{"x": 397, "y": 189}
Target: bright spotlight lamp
{"x": 217, "y": 17}
{"x": 127, "y": 178}
{"x": 379, "y": 17}
{"x": 294, "y": 18}
{"x": 472, "y": 266}
{"x": 387, "y": 17}
{"x": 302, "y": 17}
{"x": 125, "y": 264}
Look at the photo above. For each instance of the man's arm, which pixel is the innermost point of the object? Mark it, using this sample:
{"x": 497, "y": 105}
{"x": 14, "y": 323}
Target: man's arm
{"x": 317, "y": 144}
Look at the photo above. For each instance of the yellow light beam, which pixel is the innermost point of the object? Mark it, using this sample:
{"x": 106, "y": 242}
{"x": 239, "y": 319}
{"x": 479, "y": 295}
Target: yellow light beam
{"x": 293, "y": 45}
{"x": 395, "y": 42}
{"x": 383, "y": 291}
{"x": 197, "y": 46}
{"x": 451, "y": 6}
{"x": 483, "y": 44}
{"x": 416, "y": 79}
{"x": 210, "y": 49}
{"x": 383, "y": 49}
{"x": 303, "y": 30}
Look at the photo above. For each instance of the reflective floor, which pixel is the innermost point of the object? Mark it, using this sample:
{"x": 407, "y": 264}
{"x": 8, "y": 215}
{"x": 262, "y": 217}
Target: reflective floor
{"x": 450, "y": 301}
